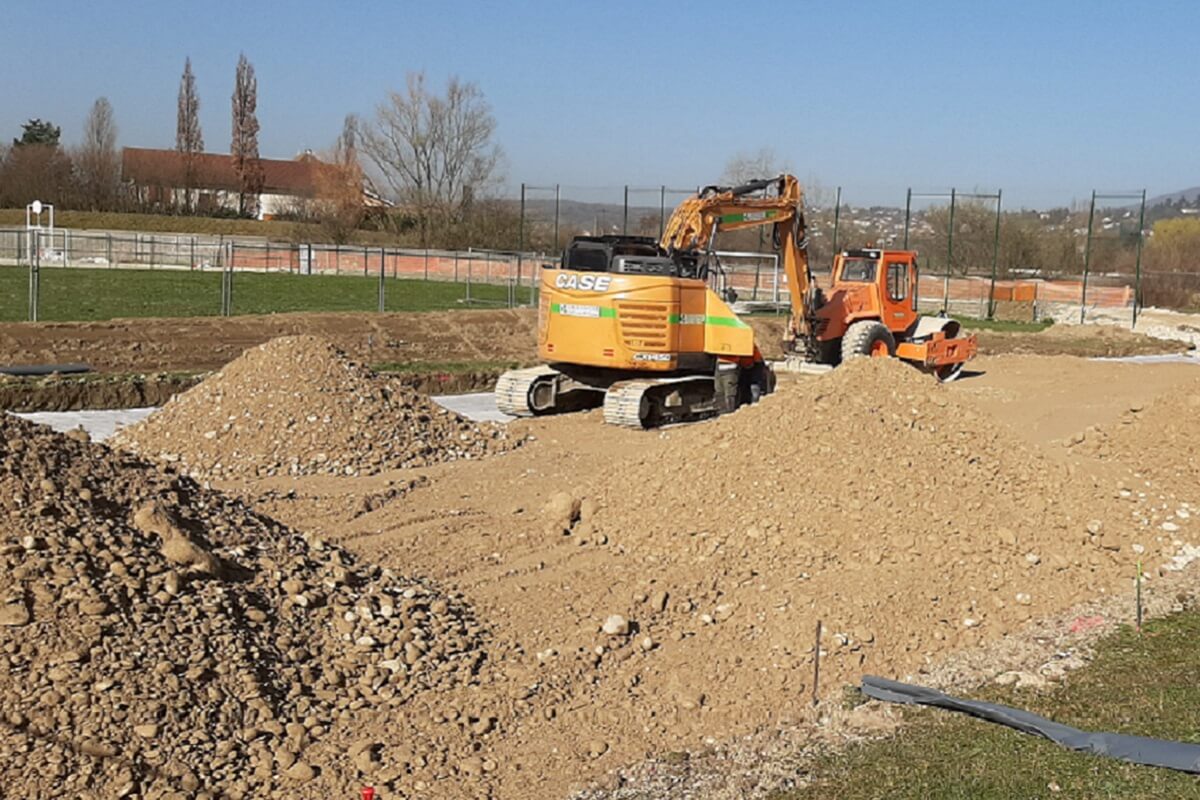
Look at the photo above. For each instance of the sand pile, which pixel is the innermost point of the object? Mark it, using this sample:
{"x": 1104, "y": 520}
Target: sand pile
{"x": 297, "y": 406}
{"x": 156, "y": 637}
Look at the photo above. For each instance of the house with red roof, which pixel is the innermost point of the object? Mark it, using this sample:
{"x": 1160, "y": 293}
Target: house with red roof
{"x": 165, "y": 177}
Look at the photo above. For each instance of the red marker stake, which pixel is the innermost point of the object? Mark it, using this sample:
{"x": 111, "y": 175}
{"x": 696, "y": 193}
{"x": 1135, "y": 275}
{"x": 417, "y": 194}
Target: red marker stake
{"x": 368, "y": 793}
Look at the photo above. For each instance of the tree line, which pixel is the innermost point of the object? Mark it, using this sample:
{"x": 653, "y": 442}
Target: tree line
{"x": 428, "y": 158}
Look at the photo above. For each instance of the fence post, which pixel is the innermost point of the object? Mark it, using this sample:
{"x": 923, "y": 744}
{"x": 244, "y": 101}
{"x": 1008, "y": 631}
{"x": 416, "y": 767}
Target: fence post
{"x": 426, "y": 263}
{"x": 1087, "y": 261}
{"x": 470, "y": 261}
{"x": 837, "y": 218}
{"x": 949, "y": 258}
{"x": 1137, "y": 281}
{"x": 382, "y": 275}
{"x": 153, "y": 238}
{"x": 556, "y": 205}
{"x": 35, "y": 264}
{"x": 108, "y": 241}
{"x": 991, "y": 306}
{"x": 625, "y": 217}
{"x": 907, "y": 215}
{"x": 662, "y": 209}
{"x": 521, "y": 222}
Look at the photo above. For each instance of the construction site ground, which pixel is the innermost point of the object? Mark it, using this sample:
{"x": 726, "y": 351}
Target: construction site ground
{"x": 642, "y": 598}
{"x": 435, "y": 338}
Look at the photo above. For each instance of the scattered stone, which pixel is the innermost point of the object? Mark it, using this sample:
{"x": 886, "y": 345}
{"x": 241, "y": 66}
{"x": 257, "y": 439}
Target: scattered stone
{"x": 616, "y": 625}
{"x": 300, "y": 772}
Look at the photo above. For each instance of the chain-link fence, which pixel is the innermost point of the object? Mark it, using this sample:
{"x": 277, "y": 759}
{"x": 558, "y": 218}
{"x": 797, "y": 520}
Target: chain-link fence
{"x": 76, "y": 275}
{"x": 976, "y": 258}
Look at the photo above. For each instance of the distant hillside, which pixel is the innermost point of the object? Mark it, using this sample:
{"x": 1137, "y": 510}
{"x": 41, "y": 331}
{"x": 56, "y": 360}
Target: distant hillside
{"x": 1191, "y": 195}
{"x": 573, "y": 214}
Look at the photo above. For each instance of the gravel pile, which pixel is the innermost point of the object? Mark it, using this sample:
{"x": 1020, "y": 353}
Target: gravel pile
{"x": 297, "y": 406}
{"x": 161, "y": 640}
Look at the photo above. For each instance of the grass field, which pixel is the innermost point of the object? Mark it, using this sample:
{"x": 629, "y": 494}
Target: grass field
{"x": 99, "y": 294}
{"x": 1147, "y": 685}
{"x": 977, "y": 324}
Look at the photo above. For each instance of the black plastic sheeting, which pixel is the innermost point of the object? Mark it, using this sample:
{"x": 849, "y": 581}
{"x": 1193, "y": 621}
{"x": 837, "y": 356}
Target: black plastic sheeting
{"x": 1137, "y": 749}
{"x": 45, "y": 369}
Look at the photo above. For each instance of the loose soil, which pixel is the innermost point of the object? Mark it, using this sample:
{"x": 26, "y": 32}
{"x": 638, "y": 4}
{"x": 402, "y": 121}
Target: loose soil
{"x": 208, "y": 343}
{"x": 161, "y": 640}
{"x": 100, "y": 390}
{"x": 297, "y": 406}
{"x": 600, "y": 594}
{"x": 1078, "y": 340}
{"x": 71, "y": 393}
{"x": 1044, "y": 398}
{"x": 201, "y": 344}
{"x": 907, "y": 518}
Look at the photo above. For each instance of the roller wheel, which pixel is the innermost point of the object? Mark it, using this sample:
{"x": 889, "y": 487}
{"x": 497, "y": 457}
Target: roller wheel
{"x": 948, "y": 372}
{"x": 868, "y": 339}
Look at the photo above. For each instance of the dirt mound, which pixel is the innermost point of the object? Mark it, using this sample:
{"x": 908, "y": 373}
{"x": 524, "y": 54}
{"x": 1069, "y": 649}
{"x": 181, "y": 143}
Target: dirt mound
{"x": 665, "y": 586}
{"x": 1159, "y": 440}
{"x": 297, "y": 406}
{"x": 1086, "y": 341}
{"x": 910, "y": 521}
{"x": 161, "y": 638}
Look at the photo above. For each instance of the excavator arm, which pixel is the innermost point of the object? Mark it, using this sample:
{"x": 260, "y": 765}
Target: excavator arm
{"x": 694, "y": 225}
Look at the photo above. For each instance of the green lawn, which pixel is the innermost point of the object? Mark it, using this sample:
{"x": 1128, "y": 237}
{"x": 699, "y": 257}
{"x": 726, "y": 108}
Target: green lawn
{"x": 977, "y": 324}
{"x": 97, "y": 294}
{"x": 1147, "y": 685}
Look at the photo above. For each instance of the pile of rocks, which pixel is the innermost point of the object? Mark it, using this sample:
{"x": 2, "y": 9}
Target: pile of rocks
{"x": 297, "y": 406}
{"x": 158, "y": 638}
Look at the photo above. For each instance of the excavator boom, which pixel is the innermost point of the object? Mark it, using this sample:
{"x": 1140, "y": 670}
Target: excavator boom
{"x": 697, "y": 220}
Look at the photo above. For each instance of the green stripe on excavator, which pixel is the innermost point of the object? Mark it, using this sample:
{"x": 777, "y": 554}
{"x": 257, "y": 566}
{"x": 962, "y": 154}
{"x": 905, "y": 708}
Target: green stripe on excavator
{"x": 609, "y": 313}
{"x": 748, "y": 215}
{"x": 673, "y": 319}
{"x": 724, "y": 322}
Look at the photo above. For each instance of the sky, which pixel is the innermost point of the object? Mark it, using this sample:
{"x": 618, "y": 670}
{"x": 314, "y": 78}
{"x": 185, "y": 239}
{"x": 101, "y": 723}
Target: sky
{"x": 1046, "y": 100}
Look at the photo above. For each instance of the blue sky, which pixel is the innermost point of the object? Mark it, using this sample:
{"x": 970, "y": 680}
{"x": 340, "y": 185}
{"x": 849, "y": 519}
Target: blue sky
{"x": 1046, "y": 100}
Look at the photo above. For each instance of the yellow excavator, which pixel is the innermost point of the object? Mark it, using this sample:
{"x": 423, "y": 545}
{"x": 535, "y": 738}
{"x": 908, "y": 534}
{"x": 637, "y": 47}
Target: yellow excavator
{"x": 635, "y": 325}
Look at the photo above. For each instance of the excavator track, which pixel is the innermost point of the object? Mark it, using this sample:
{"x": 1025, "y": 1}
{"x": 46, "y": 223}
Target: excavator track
{"x": 626, "y": 404}
{"x": 650, "y": 403}
{"x": 514, "y": 390}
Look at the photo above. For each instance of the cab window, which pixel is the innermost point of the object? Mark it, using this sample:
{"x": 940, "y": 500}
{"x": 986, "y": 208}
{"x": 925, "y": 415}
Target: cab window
{"x": 858, "y": 270}
{"x": 897, "y": 280}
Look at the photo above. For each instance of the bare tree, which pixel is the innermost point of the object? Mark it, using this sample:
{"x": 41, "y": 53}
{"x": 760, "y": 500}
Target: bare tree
{"x": 345, "y": 150}
{"x": 244, "y": 148}
{"x": 339, "y": 205}
{"x": 189, "y": 141}
{"x": 745, "y": 166}
{"x": 434, "y": 151}
{"x": 96, "y": 163}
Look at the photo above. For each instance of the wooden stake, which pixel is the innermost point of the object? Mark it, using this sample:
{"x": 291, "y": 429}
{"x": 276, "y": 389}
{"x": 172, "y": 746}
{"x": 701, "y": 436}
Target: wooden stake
{"x": 816, "y": 666}
{"x": 1138, "y": 584}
